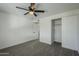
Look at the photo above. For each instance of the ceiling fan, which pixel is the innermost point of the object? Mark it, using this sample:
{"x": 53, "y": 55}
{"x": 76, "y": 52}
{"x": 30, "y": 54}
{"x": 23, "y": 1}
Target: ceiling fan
{"x": 31, "y": 10}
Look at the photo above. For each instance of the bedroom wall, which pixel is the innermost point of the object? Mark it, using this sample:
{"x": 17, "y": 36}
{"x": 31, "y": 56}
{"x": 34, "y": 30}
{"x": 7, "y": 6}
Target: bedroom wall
{"x": 78, "y": 33}
{"x": 46, "y": 29}
{"x": 69, "y": 32}
{"x": 14, "y": 29}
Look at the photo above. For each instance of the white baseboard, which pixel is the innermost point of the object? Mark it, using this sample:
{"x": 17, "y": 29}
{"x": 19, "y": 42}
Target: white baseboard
{"x": 47, "y": 42}
{"x": 14, "y": 44}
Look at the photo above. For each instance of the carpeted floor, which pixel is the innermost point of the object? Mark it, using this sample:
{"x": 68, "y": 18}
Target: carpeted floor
{"x": 36, "y": 48}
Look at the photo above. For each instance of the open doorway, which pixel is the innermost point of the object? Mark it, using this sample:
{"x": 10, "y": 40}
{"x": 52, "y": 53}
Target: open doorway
{"x": 56, "y": 31}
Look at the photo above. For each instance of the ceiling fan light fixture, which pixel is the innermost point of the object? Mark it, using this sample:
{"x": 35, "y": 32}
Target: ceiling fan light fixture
{"x": 31, "y": 12}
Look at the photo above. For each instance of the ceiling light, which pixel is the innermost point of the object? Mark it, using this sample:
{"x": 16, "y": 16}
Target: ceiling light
{"x": 31, "y": 12}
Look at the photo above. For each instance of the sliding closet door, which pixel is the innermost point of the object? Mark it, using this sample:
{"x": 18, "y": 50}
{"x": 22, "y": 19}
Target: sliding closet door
{"x": 69, "y": 32}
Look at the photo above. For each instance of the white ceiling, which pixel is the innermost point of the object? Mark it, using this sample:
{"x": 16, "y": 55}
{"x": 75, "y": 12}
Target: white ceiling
{"x": 50, "y": 8}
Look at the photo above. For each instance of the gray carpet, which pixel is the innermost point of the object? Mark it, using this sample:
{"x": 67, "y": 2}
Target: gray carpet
{"x": 36, "y": 48}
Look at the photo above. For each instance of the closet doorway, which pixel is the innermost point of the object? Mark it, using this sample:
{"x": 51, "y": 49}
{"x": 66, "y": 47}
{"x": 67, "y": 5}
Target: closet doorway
{"x": 56, "y": 30}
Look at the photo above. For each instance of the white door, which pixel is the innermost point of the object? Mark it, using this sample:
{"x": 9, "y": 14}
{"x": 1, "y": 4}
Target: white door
{"x": 36, "y": 31}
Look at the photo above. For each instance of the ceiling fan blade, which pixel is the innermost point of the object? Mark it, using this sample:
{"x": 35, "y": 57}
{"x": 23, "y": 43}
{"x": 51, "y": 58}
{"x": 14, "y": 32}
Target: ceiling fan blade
{"x": 22, "y": 8}
{"x": 42, "y": 11}
{"x": 26, "y": 13}
{"x": 35, "y": 14}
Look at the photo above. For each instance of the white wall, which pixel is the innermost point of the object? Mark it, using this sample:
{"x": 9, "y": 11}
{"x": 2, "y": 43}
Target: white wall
{"x": 14, "y": 30}
{"x": 45, "y": 27}
{"x": 78, "y": 33}
{"x": 69, "y": 32}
